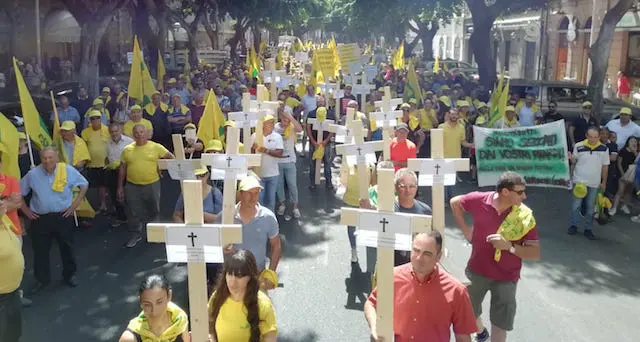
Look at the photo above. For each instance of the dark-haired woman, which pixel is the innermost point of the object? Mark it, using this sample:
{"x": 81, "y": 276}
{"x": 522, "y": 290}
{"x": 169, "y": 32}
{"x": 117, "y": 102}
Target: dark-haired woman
{"x": 238, "y": 310}
{"x": 160, "y": 319}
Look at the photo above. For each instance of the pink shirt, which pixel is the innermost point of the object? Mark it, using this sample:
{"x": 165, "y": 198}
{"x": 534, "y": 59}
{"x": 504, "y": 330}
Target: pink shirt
{"x": 486, "y": 221}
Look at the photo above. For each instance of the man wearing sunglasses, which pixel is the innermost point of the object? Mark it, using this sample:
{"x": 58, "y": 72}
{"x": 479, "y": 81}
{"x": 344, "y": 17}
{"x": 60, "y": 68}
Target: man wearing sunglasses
{"x": 552, "y": 115}
{"x": 496, "y": 258}
{"x": 579, "y": 126}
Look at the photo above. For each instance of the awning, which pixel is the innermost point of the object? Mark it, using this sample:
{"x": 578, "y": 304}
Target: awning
{"x": 61, "y": 27}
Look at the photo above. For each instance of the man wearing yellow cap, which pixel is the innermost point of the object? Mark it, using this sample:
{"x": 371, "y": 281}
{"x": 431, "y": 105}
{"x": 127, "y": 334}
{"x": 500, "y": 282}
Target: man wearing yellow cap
{"x": 98, "y": 105}
{"x": 76, "y": 151}
{"x": 96, "y": 136}
{"x": 156, "y": 113}
{"x": 193, "y": 146}
{"x": 624, "y": 127}
{"x": 115, "y": 146}
{"x": 578, "y": 126}
{"x": 271, "y": 152}
{"x": 288, "y": 127}
{"x": 178, "y": 114}
{"x": 509, "y": 120}
{"x": 105, "y": 95}
{"x": 259, "y": 226}
{"x": 135, "y": 118}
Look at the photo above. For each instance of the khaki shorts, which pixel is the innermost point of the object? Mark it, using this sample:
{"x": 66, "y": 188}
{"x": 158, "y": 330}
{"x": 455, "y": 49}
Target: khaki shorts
{"x": 503, "y": 299}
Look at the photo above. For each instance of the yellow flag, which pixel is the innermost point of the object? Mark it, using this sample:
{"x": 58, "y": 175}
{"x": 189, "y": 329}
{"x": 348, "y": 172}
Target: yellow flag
{"x": 141, "y": 85}
{"x": 34, "y": 126}
{"x": 262, "y": 48}
{"x": 211, "y": 125}
{"x": 161, "y": 71}
{"x": 254, "y": 69}
{"x": 436, "y": 64}
{"x": 336, "y": 57}
{"x": 316, "y": 73}
{"x": 187, "y": 71}
{"x": 9, "y": 146}
{"x": 398, "y": 58}
{"x": 301, "y": 89}
{"x": 412, "y": 88}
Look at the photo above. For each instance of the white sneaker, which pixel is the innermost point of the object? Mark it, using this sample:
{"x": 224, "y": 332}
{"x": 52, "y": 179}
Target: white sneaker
{"x": 281, "y": 209}
{"x": 613, "y": 211}
{"x": 287, "y": 217}
{"x": 296, "y": 213}
{"x": 354, "y": 255}
{"x": 635, "y": 219}
{"x": 625, "y": 209}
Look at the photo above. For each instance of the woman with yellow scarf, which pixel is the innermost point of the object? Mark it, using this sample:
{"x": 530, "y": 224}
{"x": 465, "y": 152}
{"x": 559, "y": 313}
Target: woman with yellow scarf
{"x": 160, "y": 320}
{"x": 288, "y": 127}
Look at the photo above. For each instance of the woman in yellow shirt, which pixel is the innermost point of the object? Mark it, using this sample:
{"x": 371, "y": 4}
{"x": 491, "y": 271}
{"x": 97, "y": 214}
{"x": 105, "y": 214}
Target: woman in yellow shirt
{"x": 160, "y": 319}
{"x": 238, "y": 310}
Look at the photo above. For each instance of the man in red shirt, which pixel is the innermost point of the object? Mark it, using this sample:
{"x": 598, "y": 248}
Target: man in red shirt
{"x": 489, "y": 210}
{"x": 427, "y": 300}
{"x": 624, "y": 87}
{"x": 402, "y": 148}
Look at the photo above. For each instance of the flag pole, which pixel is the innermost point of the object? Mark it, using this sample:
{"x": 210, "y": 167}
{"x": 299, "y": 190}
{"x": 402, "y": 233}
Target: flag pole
{"x": 30, "y": 151}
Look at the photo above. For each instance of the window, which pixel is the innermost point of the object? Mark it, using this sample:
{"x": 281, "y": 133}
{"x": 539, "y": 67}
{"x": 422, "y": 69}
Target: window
{"x": 567, "y": 94}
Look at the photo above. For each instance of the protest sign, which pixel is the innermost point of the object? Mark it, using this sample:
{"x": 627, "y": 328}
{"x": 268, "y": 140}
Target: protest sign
{"x": 349, "y": 53}
{"x": 538, "y": 153}
{"x": 327, "y": 62}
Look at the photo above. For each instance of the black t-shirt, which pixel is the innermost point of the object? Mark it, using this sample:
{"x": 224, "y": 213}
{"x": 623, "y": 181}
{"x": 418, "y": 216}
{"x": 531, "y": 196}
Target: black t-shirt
{"x": 330, "y": 116}
{"x": 626, "y": 158}
{"x": 548, "y": 117}
{"x": 196, "y": 154}
{"x": 421, "y": 208}
{"x": 581, "y": 126}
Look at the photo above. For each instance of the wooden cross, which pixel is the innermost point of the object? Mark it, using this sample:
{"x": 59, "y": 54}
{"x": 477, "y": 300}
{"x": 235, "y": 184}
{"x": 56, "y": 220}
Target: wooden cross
{"x": 434, "y": 172}
{"x": 247, "y": 118}
{"x": 387, "y": 231}
{"x": 273, "y": 75}
{"x": 182, "y": 247}
{"x": 362, "y": 90}
{"x": 333, "y": 89}
{"x": 263, "y": 107}
{"x": 180, "y": 168}
{"x": 360, "y": 150}
{"x": 321, "y": 127}
{"x": 232, "y": 163}
{"x": 347, "y": 134}
{"x": 388, "y": 117}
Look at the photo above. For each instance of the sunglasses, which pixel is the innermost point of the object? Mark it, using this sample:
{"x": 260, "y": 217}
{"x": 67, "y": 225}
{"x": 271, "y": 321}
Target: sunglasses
{"x": 519, "y": 192}
{"x": 587, "y": 107}
{"x": 95, "y": 118}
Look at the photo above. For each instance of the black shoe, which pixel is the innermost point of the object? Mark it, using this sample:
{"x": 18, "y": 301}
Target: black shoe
{"x": 38, "y": 287}
{"x": 589, "y": 235}
{"x": 483, "y": 336}
{"x": 572, "y": 230}
{"x": 71, "y": 281}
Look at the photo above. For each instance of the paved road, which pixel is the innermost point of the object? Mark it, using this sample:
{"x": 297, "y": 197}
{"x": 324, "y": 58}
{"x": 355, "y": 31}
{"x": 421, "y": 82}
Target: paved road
{"x": 581, "y": 291}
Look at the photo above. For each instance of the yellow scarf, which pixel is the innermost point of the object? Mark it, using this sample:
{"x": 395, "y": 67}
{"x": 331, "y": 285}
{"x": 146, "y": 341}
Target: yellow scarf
{"x": 510, "y": 123}
{"x": 591, "y": 147}
{"x": 150, "y": 108}
{"x": 179, "y": 324}
{"x": 80, "y": 152}
{"x": 183, "y": 109}
{"x": 413, "y": 122}
{"x": 288, "y": 131}
{"x": 515, "y": 226}
{"x": 319, "y": 152}
{"x": 59, "y": 178}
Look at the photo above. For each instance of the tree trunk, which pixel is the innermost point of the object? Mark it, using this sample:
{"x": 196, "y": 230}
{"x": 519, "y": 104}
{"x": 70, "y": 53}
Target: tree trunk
{"x": 600, "y": 51}
{"x": 91, "y": 35}
{"x": 427, "y": 40}
{"x": 257, "y": 37}
{"x": 408, "y": 47}
{"x": 237, "y": 38}
{"x": 213, "y": 34}
{"x": 481, "y": 46}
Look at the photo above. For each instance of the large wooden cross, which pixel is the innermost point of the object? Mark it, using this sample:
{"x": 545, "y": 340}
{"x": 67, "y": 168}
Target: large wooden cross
{"x": 320, "y": 127}
{"x": 346, "y": 134}
{"x": 387, "y": 231}
{"x": 247, "y": 118}
{"x": 333, "y": 89}
{"x": 196, "y": 244}
{"x": 362, "y": 90}
{"x": 180, "y": 168}
{"x": 263, "y": 106}
{"x": 388, "y": 117}
{"x": 437, "y": 172}
{"x": 272, "y": 76}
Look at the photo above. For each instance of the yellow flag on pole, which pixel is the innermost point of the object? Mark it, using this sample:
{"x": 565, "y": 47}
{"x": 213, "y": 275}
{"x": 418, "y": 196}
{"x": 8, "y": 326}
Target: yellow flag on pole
{"x": 9, "y": 146}
{"x": 316, "y": 76}
{"x": 412, "y": 89}
{"x": 211, "y": 125}
{"x": 398, "y": 58}
{"x": 187, "y": 71}
{"x": 141, "y": 85}
{"x": 161, "y": 71}
{"x": 34, "y": 126}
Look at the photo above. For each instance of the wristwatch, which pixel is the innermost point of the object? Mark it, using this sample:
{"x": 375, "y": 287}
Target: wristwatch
{"x": 512, "y": 249}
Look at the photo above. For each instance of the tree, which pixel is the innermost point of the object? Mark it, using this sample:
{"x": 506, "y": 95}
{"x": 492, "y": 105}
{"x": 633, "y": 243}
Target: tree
{"x": 94, "y": 17}
{"x": 600, "y": 50}
{"x": 483, "y": 17}
{"x": 146, "y": 12}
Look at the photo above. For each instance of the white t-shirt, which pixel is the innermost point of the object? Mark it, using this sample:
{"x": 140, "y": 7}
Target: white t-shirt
{"x": 269, "y": 164}
{"x": 289, "y": 145}
{"x": 629, "y": 130}
{"x": 588, "y": 169}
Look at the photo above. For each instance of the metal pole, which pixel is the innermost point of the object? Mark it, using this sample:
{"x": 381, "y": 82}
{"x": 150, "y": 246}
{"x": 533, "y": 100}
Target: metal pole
{"x": 38, "y": 41}
{"x": 543, "y": 29}
{"x": 591, "y": 38}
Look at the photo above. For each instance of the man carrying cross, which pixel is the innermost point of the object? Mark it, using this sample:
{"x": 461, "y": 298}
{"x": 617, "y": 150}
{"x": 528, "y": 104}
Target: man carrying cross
{"x": 315, "y": 142}
{"x": 402, "y": 148}
{"x": 427, "y": 300}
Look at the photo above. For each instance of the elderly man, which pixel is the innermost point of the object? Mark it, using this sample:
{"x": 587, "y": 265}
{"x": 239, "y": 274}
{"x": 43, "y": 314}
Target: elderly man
{"x": 98, "y": 105}
{"x": 139, "y": 181}
{"x": 624, "y": 127}
{"x": 259, "y": 226}
{"x": 51, "y": 211}
{"x": 421, "y": 282}
{"x": 509, "y": 120}
{"x": 402, "y": 148}
{"x": 197, "y": 107}
{"x": 115, "y": 146}
{"x": 157, "y": 113}
{"x": 496, "y": 258}
{"x": 75, "y": 149}
{"x": 135, "y": 118}
{"x": 271, "y": 152}
{"x": 96, "y": 136}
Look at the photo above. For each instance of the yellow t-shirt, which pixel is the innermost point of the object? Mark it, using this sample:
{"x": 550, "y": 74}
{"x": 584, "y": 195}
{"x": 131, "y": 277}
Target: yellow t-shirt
{"x": 142, "y": 162}
{"x": 232, "y": 324}
{"x": 453, "y": 135}
{"x": 292, "y": 102}
{"x": 97, "y": 145}
{"x": 128, "y": 126}
{"x": 11, "y": 260}
{"x": 425, "y": 119}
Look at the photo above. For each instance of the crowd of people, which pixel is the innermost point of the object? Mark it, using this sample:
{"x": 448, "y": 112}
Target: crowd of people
{"x": 113, "y": 144}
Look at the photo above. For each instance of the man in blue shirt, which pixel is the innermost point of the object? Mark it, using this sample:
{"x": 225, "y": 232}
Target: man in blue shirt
{"x": 66, "y": 112}
{"x": 51, "y": 211}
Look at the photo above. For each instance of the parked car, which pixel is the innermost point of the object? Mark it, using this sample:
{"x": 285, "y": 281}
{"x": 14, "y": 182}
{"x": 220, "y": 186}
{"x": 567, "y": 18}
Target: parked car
{"x": 449, "y": 64}
{"x": 569, "y": 96}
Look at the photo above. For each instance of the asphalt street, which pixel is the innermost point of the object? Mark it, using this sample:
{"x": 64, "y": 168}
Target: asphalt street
{"x": 581, "y": 290}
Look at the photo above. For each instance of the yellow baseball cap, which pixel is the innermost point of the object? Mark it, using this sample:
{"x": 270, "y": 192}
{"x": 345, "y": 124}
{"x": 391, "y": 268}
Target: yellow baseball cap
{"x": 213, "y": 145}
{"x": 445, "y": 87}
{"x": 413, "y": 101}
{"x": 462, "y": 103}
{"x": 136, "y": 107}
{"x": 269, "y": 117}
{"x": 190, "y": 126}
{"x": 248, "y": 183}
{"x": 481, "y": 105}
{"x": 229, "y": 123}
{"x": 510, "y": 109}
{"x": 94, "y": 113}
{"x": 405, "y": 106}
{"x": 625, "y": 111}
{"x": 200, "y": 172}
{"x": 586, "y": 104}
{"x": 106, "y": 90}
{"x": 98, "y": 101}
{"x": 446, "y": 100}
{"x": 172, "y": 80}
{"x": 68, "y": 126}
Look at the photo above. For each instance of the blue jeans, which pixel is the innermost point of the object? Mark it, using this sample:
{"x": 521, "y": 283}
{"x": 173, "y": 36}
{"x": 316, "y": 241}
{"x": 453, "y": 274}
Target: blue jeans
{"x": 268, "y": 195}
{"x": 576, "y": 209}
{"x": 448, "y": 193}
{"x": 327, "y": 164}
{"x": 288, "y": 174}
